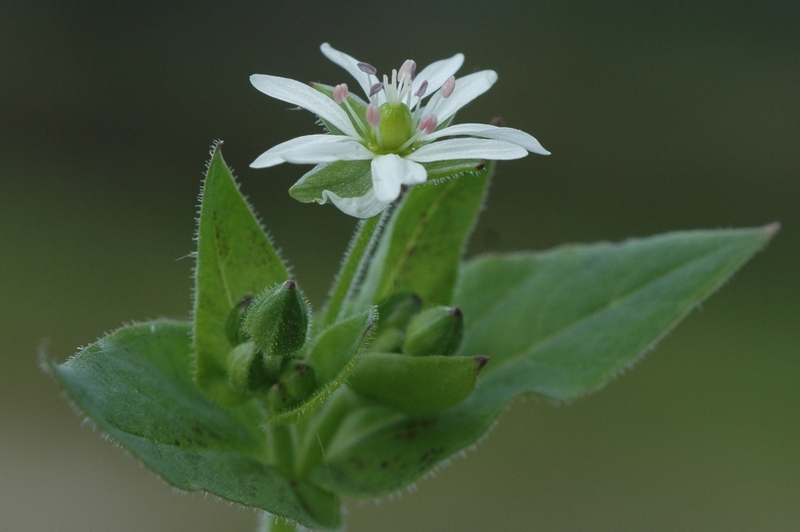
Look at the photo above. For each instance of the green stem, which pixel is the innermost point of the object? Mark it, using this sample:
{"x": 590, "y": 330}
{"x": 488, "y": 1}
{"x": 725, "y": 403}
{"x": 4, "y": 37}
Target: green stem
{"x": 281, "y": 448}
{"x": 273, "y": 523}
{"x": 317, "y": 434}
{"x": 360, "y": 248}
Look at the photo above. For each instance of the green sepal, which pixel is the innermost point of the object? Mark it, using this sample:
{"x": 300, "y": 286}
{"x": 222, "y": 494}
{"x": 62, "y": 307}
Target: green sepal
{"x": 416, "y": 386}
{"x": 247, "y": 370}
{"x": 299, "y": 380}
{"x": 234, "y": 324}
{"x": 234, "y": 258}
{"x": 334, "y": 356}
{"x": 443, "y": 170}
{"x": 277, "y": 320}
{"x": 436, "y": 331}
{"x": 346, "y": 179}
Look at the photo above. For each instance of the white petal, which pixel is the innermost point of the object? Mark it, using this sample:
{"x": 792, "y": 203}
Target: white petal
{"x": 314, "y": 149}
{"x": 348, "y": 63}
{"x": 450, "y": 149}
{"x": 365, "y": 206}
{"x": 467, "y": 89}
{"x": 390, "y": 171}
{"x": 514, "y": 136}
{"x": 436, "y": 74}
{"x": 297, "y": 93}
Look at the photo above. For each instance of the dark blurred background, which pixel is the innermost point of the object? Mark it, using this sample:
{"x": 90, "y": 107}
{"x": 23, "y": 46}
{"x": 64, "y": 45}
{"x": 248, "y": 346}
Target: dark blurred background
{"x": 660, "y": 116}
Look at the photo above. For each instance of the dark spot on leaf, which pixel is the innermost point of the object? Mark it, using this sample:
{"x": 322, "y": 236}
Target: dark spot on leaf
{"x": 384, "y": 464}
{"x": 412, "y": 428}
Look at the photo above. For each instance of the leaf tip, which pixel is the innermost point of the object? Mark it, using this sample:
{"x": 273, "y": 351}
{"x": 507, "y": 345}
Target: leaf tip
{"x": 480, "y": 361}
{"x": 771, "y": 229}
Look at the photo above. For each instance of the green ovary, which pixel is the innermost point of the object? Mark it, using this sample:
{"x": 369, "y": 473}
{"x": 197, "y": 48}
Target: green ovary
{"x": 396, "y": 127}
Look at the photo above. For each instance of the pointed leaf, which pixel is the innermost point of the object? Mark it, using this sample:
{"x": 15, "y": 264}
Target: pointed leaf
{"x": 136, "y": 385}
{"x": 560, "y": 323}
{"x": 234, "y": 259}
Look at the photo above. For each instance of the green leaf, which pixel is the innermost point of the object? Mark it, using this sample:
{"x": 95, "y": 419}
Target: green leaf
{"x": 334, "y": 356}
{"x": 234, "y": 259}
{"x": 346, "y": 179}
{"x": 560, "y": 323}
{"x": 136, "y": 385}
{"x": 422, "y": 245}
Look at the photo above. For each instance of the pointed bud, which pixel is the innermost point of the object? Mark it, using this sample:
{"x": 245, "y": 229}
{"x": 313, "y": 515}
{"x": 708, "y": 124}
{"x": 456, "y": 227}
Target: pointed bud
{"x": 233, "y": 325}
{"x": 299, "y": 380}
{"x": 247, "y": 371}
{"x": 277, "y": 321}
{"x": 395, "y": 314}
{"x": 277, "y": 398}
{"x": 436, "y": 331}
{"x": 398, "y": 310}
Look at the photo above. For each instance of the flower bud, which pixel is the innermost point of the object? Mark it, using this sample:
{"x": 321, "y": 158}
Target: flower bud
{"x": 299, "y": 380}
{"x": 249, "y": 371}
{"x": 395, "y": 314}
{"x": 277, "y": 321}
{"x": 277, "y": 398}
{"x": 233, "y": 325}
{"x": 436, "y": 331}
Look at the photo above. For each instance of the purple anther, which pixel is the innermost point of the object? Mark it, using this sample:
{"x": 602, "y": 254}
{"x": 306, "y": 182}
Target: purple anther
{"x": 367, "y": 68}
{"x": 422, "y": 88}
{"x": 340, "y": 93}
{"x": 498, "y": 121}
{"x": 448, "y": 87}
{"x": 373, "y": 115}
{"x": 428, "y": 123}
{"x": 407, "y": 71}
{"x": 375, "y": 89}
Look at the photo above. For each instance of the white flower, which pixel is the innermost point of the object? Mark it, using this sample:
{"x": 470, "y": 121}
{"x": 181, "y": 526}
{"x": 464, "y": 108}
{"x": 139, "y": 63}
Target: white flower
{"x": 393, "y": 129}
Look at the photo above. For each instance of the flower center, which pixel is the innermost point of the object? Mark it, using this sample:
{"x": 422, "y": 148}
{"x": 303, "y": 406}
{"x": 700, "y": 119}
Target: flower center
{"x": 396, "y": 125}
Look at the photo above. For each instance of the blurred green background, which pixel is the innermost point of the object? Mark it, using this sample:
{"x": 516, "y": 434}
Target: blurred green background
{"x": 660, "y": 116}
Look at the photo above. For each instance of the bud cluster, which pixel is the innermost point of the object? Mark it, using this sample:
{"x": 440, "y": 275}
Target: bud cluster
{"x": 411, "y": 366}
{"x": 268, "y": 332}
{"x": 406, "y": 328}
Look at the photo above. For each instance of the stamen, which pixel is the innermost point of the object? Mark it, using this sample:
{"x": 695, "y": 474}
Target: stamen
{"x": 373, "y": 115}
{"x": 340, "y": 93}
{"x": 422, "y": 88}
{"x": 407, "y": 71}
{"x": 367, "y": 68}
{"x": 375, "y": 89}
{"x": 428, "y": 124}
{"x": 448, "y": 87}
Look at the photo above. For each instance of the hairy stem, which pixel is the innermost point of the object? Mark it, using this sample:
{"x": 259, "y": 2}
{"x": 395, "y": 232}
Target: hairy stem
{"x": 361, "y": 247}
{"x": 281, "y": 442}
